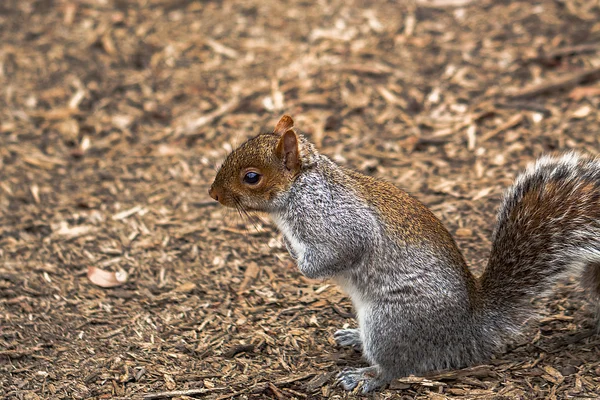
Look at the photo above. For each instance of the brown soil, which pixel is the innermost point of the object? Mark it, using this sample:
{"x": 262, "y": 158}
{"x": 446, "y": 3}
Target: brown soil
{"x": 114, "y": 114}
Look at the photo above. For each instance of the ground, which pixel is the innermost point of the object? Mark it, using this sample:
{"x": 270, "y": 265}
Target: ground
{"x": 114, "y": 115}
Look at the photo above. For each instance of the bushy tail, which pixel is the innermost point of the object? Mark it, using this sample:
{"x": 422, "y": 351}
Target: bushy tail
{"x": 548, "y": 227}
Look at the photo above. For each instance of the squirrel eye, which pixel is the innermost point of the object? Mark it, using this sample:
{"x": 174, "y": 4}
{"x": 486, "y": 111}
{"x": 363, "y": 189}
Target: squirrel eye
{"x": 251, "y": 178}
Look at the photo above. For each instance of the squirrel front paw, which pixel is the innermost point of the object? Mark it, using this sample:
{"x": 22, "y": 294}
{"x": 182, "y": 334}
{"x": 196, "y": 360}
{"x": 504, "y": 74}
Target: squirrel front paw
{"x": 368, "y": 378}
{"x": 348, "y": 337}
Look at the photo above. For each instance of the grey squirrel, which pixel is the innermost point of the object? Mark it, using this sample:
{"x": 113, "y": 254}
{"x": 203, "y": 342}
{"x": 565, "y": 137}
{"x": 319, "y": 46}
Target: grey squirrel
{"x": 418, "y": 306}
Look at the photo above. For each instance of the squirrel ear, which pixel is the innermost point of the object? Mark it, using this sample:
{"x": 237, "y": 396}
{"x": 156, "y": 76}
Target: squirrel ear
{"x": 287, "y": 149}
{"x": 285, "y": 124}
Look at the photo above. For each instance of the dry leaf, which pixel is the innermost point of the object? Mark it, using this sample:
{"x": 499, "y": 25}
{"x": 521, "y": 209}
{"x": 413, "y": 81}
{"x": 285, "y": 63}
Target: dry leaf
{"x": 420, "y": 381}
{"x": 482, "y": 193}
{"x": 580, "y": 92}
{"x": 127, "y": 213}
{"x": 169, "y": 382}
{"x": 464, "y": 232}
{"x": 106, "y": 279}
{"x": 185, "y": 287}
{"x": 555, "y": 376}
{"x": 35, "y": 192}
{"x": 69, "y": 232}
{"x": 582, "y": 112}
{"x": 250, "y": 274}
{"x": 444, "y": 3}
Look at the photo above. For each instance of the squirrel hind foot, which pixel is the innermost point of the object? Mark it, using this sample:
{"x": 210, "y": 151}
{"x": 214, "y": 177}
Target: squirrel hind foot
{"x": 349, "y": 338}
{"x": 368, "y": 379}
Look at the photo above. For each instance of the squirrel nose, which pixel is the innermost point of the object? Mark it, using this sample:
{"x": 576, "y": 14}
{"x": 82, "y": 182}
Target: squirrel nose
{"x": 213, "y": 193}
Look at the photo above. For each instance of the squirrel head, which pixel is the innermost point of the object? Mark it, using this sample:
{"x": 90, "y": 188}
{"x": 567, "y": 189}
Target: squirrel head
{"x": 263, "y": 168}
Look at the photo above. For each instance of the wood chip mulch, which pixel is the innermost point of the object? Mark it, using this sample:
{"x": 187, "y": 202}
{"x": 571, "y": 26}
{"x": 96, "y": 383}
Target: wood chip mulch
{"x": 114, "y": 115}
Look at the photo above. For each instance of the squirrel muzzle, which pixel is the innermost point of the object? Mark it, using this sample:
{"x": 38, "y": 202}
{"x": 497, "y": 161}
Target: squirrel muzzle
{"x": 214, "y": 194}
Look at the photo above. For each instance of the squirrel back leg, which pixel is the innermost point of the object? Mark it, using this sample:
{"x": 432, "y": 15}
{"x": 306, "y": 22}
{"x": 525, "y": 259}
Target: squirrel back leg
{"x": 399, "y": 339}
{"x": 379, "y": 347}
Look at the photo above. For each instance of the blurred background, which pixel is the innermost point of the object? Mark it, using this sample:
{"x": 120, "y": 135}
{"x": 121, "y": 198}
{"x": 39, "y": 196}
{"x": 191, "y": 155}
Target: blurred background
{"x": 115, "y": 114}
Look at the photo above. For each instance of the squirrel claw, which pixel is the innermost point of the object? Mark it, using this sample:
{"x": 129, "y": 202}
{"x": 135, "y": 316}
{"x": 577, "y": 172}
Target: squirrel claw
{"x": 368, "y": 378}
{"x": 348, "y": 337}
{"x": 348, "y": 379}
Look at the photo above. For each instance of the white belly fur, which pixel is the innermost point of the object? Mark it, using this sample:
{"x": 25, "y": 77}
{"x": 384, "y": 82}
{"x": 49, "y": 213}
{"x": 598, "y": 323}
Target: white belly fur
{"x": 297, "y": 245}
{"x": 357, "y": 298}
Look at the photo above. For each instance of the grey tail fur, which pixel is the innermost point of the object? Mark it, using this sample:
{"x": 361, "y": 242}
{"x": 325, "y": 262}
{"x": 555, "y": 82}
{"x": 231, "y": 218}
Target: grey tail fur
{"x": 548, "y": 227}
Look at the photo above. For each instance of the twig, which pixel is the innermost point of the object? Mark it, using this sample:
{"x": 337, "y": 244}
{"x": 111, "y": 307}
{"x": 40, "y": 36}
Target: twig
{"x": 287, "y": 381}
{"x": 342, "y": 312}
{"x": 563, "y": 52}
{"x": 443, "y": 3}
{"x": 260, "y": 387}
{"x": 242, "y": 348}
{"x": 19, "y": 353}
{"x": 525, "y": 105}
{"x": 418, "y": 380}
{"x": 191, "y": 127}
{"x": 112, "y": 333}
{"x": 276, "y": 392}
{"x": 558, "y": 84}
{"x": 478, "y": 371}
{"x": 254, "y": 389}
{"x": 176, "y": 393}
{"x": 222, "y": 49}
{"x": 361, "y": 69}
{"x": 512, "y": 122}
{"x": 295, "y": 393}
{"x": 318, "y": 381}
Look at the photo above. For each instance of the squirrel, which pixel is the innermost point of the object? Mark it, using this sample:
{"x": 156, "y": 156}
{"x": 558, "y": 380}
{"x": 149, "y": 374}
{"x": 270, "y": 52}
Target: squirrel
{"x": 419, "y": 308}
